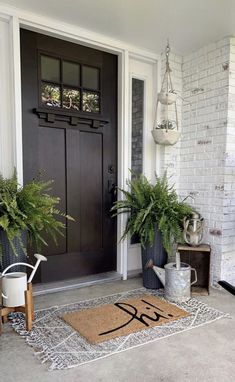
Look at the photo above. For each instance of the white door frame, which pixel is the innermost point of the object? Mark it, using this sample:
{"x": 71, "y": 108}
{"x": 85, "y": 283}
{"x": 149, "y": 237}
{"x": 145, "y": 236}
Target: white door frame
{"x": 54, "y": 28}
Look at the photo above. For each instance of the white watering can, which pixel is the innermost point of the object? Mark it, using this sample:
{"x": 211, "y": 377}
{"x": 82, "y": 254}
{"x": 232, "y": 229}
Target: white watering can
{"x": 176, "y": 278}
{"x": 14, "y": 284}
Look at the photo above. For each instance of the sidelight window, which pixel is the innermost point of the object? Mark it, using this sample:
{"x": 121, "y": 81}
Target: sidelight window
{"x": 69, "y": 85}
{"x": 137, "y": 118}
{"x": 137, "y": 126}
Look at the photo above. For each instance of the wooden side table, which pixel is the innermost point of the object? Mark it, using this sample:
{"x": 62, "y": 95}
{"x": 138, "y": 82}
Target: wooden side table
{"x": 198, "y": 258}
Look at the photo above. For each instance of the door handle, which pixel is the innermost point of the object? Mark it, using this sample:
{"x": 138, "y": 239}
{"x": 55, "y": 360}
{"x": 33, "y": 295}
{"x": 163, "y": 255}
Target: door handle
{"x": 112, "y": 187}
{"x": 112, "y": 192}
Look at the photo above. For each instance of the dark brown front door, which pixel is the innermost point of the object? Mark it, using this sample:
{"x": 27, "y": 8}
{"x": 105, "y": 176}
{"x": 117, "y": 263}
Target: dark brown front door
{"x": 69, "y": 95}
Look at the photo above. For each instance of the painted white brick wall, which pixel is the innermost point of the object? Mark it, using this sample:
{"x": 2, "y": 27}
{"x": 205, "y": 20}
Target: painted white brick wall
{"x": 203, "y": 162}
{"x": 203, "y": 144}
{"x": 228, "y": 237}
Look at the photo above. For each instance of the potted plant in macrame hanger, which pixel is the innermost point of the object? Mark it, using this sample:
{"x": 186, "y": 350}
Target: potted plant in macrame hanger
{"x": 156, "y": 215}
{"x": 27, "y": 213}
{"x": 166, "y": 127}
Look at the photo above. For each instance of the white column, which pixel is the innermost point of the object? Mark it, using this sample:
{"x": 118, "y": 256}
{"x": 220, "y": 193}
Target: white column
{"x": 123, "y": 155}
{"x": 6, "y": 100}
{"x": 17, "y": 106}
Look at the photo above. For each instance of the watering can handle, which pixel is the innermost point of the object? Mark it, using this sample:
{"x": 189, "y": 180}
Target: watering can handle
{"x": 3, "y": 295}
{"x": 195, "y": 274}
{"x": 13, "y": 265}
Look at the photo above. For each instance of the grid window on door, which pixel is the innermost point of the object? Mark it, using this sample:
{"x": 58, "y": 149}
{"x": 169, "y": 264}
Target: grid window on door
{"x": 69, "y": 85}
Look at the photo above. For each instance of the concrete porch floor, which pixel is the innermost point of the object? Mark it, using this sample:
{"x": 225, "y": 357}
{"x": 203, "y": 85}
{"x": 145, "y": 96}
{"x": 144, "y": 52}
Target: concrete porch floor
{"x": 203, "y": 354}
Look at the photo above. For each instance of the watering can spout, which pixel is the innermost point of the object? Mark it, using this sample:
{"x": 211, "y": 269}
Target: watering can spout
{"x": 160, "y": 272}
{"x": 39, "y": 259}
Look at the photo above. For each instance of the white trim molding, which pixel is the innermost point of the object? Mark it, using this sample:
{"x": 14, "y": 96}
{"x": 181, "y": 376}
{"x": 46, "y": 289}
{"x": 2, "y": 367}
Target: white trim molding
{"x": 6, "y": 106}
{"x": 123, "y": 153}
{"x": 17, "y": 102}
{"x": 144, "y": 70}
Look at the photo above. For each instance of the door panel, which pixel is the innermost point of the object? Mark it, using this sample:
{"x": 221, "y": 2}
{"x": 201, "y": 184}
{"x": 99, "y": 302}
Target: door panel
{"x": 73, "y": 190}
{"x": 51, "y": 161}
{"x": 91, "y": 191}
{"x": 69, "y": 95}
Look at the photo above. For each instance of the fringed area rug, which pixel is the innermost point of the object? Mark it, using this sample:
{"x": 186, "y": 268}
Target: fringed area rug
{"x": 62, "y": 347}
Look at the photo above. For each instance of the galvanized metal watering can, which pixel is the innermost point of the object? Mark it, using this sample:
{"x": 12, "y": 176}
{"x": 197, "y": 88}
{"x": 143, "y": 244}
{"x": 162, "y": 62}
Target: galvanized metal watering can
{"x": 176, "y": 278}
{"x": 14, "y": 284}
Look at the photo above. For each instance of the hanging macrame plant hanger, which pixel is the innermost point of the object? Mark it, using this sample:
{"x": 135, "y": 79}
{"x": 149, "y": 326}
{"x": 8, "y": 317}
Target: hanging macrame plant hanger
{"x": 166, "y": 132}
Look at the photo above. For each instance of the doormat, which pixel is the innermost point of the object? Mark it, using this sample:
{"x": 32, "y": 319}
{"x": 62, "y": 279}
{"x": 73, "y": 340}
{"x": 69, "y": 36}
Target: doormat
{"x": 60, "y": 346}
{"x": 123, "y": 317}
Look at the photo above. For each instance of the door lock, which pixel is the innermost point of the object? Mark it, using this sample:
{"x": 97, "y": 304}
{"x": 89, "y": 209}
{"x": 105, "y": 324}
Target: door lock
{"x": 112, "y": 187}
{"x": 111, "y": 169}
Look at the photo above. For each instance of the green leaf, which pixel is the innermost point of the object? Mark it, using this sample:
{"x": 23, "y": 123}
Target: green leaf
{"x": 4, "y": 222}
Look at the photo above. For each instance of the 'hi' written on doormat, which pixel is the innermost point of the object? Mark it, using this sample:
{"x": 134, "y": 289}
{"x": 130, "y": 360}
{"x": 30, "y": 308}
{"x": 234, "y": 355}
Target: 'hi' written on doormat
{"x": 123, "y": 317}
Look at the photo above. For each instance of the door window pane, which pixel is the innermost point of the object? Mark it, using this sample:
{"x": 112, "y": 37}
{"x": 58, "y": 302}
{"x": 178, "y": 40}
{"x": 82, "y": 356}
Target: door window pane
{"x": 71, "y": 73}
{"x": 90, "y": 78}
{"x": 71, "y": 99}
{"x": 69, "y": 85}
{"x": 90, "y": 102}
{"x": 50, "y": 69}
{"x": 50, "y": 95}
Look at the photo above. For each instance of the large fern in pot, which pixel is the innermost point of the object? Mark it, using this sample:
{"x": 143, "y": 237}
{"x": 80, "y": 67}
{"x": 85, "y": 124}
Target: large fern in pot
{"x": 150, "y": 205}
{"x": 31, "y": 209}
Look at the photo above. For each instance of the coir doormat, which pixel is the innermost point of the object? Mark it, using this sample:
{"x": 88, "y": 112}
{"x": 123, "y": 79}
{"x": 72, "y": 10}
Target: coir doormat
{"x": 60, "y": 346}
{"x": 123, "y": 317}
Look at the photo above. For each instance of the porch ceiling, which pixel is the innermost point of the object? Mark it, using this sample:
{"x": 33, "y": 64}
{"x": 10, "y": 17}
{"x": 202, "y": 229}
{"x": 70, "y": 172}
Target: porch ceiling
{"x": 190, "y": 24}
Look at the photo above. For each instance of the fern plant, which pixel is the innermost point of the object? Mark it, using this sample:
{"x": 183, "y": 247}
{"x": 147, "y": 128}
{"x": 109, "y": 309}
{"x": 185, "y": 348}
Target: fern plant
{"x": 29, "y": 208}
{"x": 148, "y": 205}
